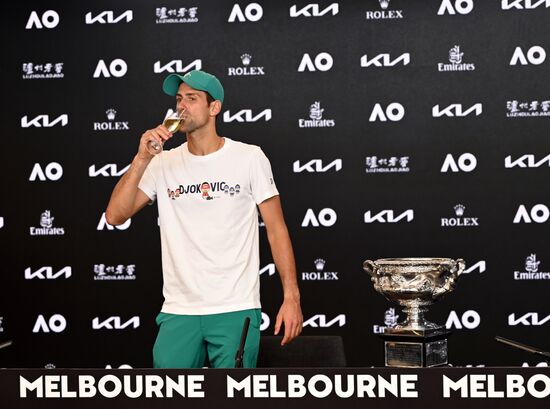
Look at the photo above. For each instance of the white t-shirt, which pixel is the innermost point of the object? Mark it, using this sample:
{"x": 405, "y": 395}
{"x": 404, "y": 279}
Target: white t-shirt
{"x": 209, "y": 225}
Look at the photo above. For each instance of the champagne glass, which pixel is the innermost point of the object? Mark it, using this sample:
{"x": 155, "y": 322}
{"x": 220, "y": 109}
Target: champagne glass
{"x": 172, "y": 122}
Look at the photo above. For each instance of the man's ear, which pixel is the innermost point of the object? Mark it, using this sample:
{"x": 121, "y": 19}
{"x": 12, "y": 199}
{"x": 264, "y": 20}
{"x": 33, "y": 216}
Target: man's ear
{"x": 215, "y": 108}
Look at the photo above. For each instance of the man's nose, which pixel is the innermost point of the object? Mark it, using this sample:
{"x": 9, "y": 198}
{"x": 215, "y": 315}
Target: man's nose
{"x": 180, "y": 106}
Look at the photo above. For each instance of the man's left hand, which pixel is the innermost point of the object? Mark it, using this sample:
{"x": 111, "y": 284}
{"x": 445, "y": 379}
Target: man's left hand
{"x": 290, "y": 314}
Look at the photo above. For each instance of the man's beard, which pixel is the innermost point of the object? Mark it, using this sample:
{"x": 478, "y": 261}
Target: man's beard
{"x": 189, "y": 125}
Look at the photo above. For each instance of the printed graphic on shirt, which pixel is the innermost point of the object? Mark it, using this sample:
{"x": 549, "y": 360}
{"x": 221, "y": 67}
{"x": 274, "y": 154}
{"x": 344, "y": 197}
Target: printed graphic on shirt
{"x": 232, "y": 191}
{"x": 207, "y": 190}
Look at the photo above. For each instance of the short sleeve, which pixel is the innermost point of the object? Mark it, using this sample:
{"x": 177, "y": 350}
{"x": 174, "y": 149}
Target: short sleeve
{"x": 147, "y": 183}
{"x": 261, "y": 178}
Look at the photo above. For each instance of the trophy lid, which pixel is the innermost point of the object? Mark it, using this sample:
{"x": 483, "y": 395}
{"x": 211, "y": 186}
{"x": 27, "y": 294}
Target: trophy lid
{"x": 417, "y": 261}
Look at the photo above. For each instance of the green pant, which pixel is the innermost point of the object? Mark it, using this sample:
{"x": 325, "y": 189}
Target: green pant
{"x": 184, "y": 341}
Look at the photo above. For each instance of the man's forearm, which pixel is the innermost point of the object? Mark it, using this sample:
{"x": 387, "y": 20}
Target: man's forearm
{"x": 123, "y": 198}
{"x": 283, "y": 256}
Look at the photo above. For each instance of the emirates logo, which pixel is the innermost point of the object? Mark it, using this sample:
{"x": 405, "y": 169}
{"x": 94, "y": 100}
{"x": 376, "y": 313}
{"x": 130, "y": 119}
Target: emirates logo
{"x": 531, "y": 264}
{"x": 455, "y": 56}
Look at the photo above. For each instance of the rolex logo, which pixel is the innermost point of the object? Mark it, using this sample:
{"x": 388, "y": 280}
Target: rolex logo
{"x": 320, "y": 274}
{"x": 459, "y": 210}
{"x": 320, "y": 264}
{"x": 111, "y": 124}
{"x": 111, "y": 113}
{"x": 246, "y": 68}
{"x": 459, "y": 220}
{"x": 384, "y": 13}
{"x": 246, "y": 58}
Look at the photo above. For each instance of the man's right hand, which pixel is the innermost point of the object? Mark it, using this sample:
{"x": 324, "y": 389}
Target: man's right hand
{"x": 160, "y": 134}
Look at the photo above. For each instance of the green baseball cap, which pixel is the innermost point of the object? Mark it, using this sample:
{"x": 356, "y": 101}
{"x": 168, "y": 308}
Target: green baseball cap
{"x": 196, "y": 79}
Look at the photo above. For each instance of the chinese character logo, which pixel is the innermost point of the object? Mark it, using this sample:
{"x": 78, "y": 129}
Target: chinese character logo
{"x": 531, "y": 264}
{"x": 315, "y": 111}
{"x": 46, "y": 220}
{"x": 455, "y": 56}
{"x": 390, "y": 318}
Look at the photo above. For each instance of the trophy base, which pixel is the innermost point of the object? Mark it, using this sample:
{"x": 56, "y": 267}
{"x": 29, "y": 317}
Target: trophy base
{"x": 415, "y": 351}
{"x": 416, "y": 332}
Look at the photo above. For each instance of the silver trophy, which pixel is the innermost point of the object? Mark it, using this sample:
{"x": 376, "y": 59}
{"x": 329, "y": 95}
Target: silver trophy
{"x": 415, "y": 283}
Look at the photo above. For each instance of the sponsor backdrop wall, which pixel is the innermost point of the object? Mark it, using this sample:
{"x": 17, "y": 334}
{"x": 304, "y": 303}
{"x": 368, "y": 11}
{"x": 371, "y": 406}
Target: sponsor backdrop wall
{"x": 394, "y": 129}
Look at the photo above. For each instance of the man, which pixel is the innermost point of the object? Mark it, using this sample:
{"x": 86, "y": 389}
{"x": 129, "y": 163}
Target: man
{"x": 208, "y": 191}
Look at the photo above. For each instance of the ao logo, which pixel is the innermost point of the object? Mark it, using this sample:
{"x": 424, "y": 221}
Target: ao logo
{"x": 469, "y": 320}
{"x": 326, "y": 218}
{"x": 466, "y": 163}
{"x": 49, "y": 19}
{"x": 56, "y": 323}
{"x": 53, "y": 172}
{"x": 252, "y": 12}
{"x": 538, "y": 214}
{"x": 394, "y": 112}
{"x": 103, "y": 223}
{"x": 322, "y": 62}
{"x": 452, "y": 7}
{"x": 524, "y": 4}
{"x": 117, "y": 68}
{"x": 535, "y": 55}
{"x": 313, "y": 10}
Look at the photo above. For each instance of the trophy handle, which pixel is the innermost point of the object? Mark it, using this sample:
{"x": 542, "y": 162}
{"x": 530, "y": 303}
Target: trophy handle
{"x": 450, "y": 280}
{"x": 370, "y": 267}
{"x": 461, "y": 266}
